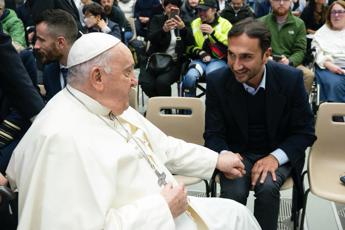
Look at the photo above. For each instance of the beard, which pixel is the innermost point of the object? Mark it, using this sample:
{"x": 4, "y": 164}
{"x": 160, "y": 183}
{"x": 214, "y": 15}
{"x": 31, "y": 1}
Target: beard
{"x": 48, "y": 57}
{"x": 281, "y": 11}
{"x": 107, "y": 9}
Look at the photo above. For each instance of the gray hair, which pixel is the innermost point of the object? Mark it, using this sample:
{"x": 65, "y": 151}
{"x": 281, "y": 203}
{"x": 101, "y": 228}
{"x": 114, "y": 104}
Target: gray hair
{"x": 78, "y": 75}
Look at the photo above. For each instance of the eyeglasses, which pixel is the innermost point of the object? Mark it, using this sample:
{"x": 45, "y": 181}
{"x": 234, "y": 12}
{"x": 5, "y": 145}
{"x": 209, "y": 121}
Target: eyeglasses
{"x": 339, "y": 12}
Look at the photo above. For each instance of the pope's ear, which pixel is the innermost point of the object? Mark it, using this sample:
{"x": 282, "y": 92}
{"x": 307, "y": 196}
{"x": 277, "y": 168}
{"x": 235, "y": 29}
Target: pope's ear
{"x": 96, "y": 79}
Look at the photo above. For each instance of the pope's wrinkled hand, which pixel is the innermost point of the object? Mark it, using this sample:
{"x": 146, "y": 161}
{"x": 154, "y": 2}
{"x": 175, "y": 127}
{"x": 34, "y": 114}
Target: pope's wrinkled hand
{"x": 176, "y": 197}
{"x": 230, "y": 164}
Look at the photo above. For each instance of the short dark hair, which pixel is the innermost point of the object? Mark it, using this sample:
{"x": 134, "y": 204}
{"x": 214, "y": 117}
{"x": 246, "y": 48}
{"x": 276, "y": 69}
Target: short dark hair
{"x": 94, "y": 9}
{"x": 253, "y": 29}
{"x": 60, "y": 23}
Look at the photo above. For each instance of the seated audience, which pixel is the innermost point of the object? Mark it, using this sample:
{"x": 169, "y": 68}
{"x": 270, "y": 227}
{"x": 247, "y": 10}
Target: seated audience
{"x": 167, "y": 34}
{"x": 189, "y": 11}
{"x": 143, "y": 11}
{"x": 127, "y": 7}
{"x": 115, "y": 14}
{"x": 289, "y": 42}
{"x": 12, "y": 26}
{"x": 38, "y": 6}
{"x": 96, "y": 21}
{"x": 209, "y": 50}
{"x": 91, "y": 162}
{"x": 329, "y": 48}
{"x": 236, "y": 10}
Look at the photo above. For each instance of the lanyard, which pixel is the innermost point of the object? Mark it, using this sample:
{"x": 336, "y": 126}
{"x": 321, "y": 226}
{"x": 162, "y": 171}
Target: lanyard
{"x": 160, "y": 175}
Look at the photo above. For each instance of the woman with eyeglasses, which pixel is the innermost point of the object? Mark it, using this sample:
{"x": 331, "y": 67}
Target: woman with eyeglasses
{"x": 329, "y": 46}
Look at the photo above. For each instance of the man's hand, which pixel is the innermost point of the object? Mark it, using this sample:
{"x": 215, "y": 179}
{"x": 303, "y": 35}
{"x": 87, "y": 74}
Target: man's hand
{"x": 230, "y": 164}
{"x": 178, "y": 22}
{"x": 262, "y": 167}
{"x": 144, "y": 20}
{"x": 169, "y": 24}
{"x": 176, "y": 197}
{"x": 206, "y": 29}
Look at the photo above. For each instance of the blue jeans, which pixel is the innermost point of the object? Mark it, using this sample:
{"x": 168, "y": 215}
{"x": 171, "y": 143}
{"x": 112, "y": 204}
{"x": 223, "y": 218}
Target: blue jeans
{"x": 189, "y": 82}
{"x": 332, "y": 86}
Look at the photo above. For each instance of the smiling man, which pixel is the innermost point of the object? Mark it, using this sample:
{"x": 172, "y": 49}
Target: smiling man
{"x": 259, "y": 110}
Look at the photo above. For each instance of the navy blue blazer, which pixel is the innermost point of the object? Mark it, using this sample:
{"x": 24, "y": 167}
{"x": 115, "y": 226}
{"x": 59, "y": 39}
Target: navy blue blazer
{"x": 289, "y": 119}
{"x": 51, "y": 79}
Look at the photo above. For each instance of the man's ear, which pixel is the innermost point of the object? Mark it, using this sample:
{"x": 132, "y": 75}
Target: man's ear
{"x": 61, "y": 42}
{"x": 96, "y": 79}
{"x": 267, "y": 55}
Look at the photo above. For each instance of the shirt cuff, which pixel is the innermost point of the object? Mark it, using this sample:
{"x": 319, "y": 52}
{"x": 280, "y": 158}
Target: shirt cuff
{"x": 281, "y": 156}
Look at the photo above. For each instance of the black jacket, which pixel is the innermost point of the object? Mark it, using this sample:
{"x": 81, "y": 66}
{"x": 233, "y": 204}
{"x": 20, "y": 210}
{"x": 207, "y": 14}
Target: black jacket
{"x": 233, "y": 17}
{"x": 289, "y": 119}
{"x": 38, "y": 6}
{"x": 160, "y": 39}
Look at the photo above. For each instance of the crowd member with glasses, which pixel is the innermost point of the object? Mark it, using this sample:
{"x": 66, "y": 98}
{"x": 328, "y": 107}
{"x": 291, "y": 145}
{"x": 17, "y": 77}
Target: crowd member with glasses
{"x": 289, "y": 42}
{"x": 236, "y": 10}
{"x": 330, "y": 54}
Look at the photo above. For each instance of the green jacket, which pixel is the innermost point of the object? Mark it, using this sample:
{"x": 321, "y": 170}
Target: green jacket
{"x": 290, "y": 40}
{"x": 219, "y": 37}
{"x": 13, "y": 26}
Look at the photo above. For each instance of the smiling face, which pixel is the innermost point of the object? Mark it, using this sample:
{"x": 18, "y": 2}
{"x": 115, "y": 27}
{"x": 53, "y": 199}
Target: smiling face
{"x": 246, "y": 59}
{"x": 208, "y": 15}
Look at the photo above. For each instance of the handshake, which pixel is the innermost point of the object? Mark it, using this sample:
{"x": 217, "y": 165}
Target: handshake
{"x": 230, "y": 164}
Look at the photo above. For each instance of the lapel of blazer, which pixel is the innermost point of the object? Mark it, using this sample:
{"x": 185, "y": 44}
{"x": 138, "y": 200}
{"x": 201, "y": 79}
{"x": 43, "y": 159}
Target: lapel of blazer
{"x": 238, "y": 105}
{"x": 275, "y": 102}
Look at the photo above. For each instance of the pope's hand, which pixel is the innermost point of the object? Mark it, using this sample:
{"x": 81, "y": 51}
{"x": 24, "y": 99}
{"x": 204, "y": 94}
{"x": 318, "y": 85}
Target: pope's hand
{"x": 230, "y": 164}
{"x": 176, "y": 197}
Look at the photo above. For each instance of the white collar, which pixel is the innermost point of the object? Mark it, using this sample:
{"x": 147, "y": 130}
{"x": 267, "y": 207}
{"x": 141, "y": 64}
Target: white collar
{"x": 252, "y": 90}
{"x": 91, "y": 104}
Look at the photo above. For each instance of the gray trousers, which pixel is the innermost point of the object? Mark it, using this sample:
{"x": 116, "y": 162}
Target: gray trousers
{"x": 267, "y": 195}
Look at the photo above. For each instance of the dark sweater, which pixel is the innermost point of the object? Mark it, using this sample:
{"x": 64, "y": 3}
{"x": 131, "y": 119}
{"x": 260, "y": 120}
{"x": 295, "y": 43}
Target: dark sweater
{"x": 257, "y": 130}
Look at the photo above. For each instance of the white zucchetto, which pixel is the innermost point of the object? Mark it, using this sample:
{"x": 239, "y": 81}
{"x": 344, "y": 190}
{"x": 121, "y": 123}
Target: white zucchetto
{"x": 89, "y": 46}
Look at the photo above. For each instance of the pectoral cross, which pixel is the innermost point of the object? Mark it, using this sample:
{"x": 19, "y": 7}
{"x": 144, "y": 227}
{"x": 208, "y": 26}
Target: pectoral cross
{"x": 161, "y": 178}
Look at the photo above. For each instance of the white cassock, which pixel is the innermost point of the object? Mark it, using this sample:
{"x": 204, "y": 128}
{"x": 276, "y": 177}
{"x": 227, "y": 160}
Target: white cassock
{"x": 77, "y": 169}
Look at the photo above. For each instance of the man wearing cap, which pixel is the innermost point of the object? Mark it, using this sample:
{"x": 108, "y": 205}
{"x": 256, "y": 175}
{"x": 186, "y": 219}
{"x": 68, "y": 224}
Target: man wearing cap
{"x": 210, "y": 45}
{"x": 91, "y": 162}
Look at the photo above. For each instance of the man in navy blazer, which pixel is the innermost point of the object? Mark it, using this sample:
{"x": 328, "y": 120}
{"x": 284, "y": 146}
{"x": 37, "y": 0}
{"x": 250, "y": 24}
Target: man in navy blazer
{"x": 56, "y": 31}
{"x": 259, "y": 110}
